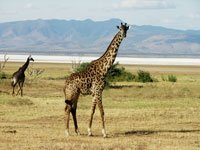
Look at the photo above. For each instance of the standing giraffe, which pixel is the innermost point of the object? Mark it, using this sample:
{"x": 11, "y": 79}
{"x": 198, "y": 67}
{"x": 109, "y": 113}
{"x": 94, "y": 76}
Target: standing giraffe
{"x": 19, "y": 76}
{"x": 91, "y": 81}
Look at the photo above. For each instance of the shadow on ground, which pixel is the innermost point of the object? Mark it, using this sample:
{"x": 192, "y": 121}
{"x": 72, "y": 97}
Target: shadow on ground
{"x": 148, "y": 132}
{"x": 124, "y": 86}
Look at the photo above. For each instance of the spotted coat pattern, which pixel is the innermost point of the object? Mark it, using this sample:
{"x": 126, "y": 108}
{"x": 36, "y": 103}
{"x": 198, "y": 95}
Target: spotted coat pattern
{"x": 91, "y": 81}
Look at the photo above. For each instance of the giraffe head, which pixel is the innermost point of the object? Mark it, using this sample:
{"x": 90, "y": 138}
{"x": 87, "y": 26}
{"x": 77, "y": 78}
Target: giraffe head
{"x": 30, "y": 58}
{"x": 123, "y": 29}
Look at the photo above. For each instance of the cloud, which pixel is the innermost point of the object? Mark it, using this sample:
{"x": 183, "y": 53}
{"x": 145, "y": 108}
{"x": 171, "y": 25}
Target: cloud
{"x": 193, "y": 16}
{"x": 28, "y": 6}
{"x": 144, "y": 4}
{"x": 167, "y": 21}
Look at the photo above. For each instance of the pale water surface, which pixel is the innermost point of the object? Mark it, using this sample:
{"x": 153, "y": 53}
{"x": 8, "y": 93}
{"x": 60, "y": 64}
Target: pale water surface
{"x": 121, "y": 60}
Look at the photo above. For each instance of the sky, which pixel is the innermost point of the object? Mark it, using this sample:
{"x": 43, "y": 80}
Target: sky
{"x": 177, "y": 14}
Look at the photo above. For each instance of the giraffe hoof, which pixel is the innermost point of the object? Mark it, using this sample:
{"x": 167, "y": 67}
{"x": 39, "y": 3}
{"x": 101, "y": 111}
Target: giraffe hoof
{"x": 89, "y": 132}
{"x": 67, "y": 133}
{"x": 104, "y": 133}
{"x": 77, "y": 132}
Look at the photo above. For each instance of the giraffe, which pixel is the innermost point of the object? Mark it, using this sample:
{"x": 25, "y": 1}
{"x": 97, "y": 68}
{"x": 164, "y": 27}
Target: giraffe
{"x": 18, "y": 77}
{"x": 91, "y": 81}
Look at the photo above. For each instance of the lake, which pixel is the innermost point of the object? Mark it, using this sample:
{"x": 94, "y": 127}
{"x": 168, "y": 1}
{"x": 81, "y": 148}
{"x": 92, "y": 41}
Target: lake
{"x": 121, "y": 60}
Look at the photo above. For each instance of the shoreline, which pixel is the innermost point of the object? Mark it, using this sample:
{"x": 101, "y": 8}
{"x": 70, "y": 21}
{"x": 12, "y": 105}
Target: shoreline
{"x": 121, "y": 60}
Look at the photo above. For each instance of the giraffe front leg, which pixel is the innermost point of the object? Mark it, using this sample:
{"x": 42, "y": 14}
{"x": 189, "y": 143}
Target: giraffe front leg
{"x": 67, "y": 115}
{"x": 18, "y": 89}
{"x": 91, "y": 117}
{"x": 21, "y": 88}
{"x": 100, "y": 105}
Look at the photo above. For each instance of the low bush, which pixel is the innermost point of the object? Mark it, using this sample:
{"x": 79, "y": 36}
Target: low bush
{"x": 3, "y": 75}
{"x": 81, "y": 67}
{"x": 169, "y": 78}
{"x": 143, "y": 76}
{"x": 172, "y": 78}
{"x": 115, "y": 74}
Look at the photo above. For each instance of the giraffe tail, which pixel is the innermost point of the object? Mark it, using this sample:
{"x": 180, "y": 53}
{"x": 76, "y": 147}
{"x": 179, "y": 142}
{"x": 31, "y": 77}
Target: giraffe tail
{"x": 13, "y": 82}
{"x": 68, "y": 102}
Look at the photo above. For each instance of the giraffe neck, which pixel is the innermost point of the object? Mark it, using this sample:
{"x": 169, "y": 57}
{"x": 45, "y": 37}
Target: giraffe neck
{"x": 24, "y": 67}
{"x": 107, "y": 59}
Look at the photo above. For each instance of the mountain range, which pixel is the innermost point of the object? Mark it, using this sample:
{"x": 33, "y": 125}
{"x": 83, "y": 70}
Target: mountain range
{"x": 82, "y": 37}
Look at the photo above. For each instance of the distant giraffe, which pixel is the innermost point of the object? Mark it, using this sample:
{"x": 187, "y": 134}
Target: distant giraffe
{"x": 19, "y": 76}
{"x": 91, "y": 81}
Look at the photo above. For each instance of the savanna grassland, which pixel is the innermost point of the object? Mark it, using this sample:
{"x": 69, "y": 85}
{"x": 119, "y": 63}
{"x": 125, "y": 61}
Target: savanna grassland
{"x": 143, "y": 116}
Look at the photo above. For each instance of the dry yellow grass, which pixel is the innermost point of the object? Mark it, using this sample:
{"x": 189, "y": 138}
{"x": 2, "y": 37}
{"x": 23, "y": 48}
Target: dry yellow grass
{"x": 139, "y": 116}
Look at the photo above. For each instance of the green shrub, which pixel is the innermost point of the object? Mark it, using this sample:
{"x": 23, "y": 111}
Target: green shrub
{"x": 143, "y": 76}
{"x": 115, "y": 73}
{"x": 2, "y": 75}
{"x": 163, "y": 78}
{"x": 172, "y": 78}
{"x": 81, "y": 67}
{"x": 169, "y": 78}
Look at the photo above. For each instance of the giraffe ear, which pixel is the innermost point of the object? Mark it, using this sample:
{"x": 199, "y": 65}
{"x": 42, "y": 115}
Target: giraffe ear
{"x": 117, "y": 27}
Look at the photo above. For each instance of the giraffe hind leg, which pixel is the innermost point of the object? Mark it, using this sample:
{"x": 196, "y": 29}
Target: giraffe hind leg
{"x": 71, "y": 98}
{"x": 21, "y": 87}
{"x": 67, "y": 116}
{"x": 73, "y": 111}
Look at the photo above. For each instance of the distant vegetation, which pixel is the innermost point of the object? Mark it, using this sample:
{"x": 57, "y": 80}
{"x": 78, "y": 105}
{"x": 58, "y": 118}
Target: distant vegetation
{"x": 143, "y": 76}
{"x": 3, "y": 75}
{"x": 81, "y": 67}
{"x": 169, "y": 78}
{"x": 115, "y": 74}
{"x": 119, "y": 74}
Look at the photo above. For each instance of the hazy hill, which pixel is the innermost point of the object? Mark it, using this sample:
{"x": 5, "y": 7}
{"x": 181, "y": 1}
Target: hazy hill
{"x": 87, "y": 36}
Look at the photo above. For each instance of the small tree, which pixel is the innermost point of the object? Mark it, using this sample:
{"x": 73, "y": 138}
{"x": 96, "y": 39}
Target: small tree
{"x": 34, "y": 73}
{"x": 2, "y": 66}
{"x": 75, "y": 65}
